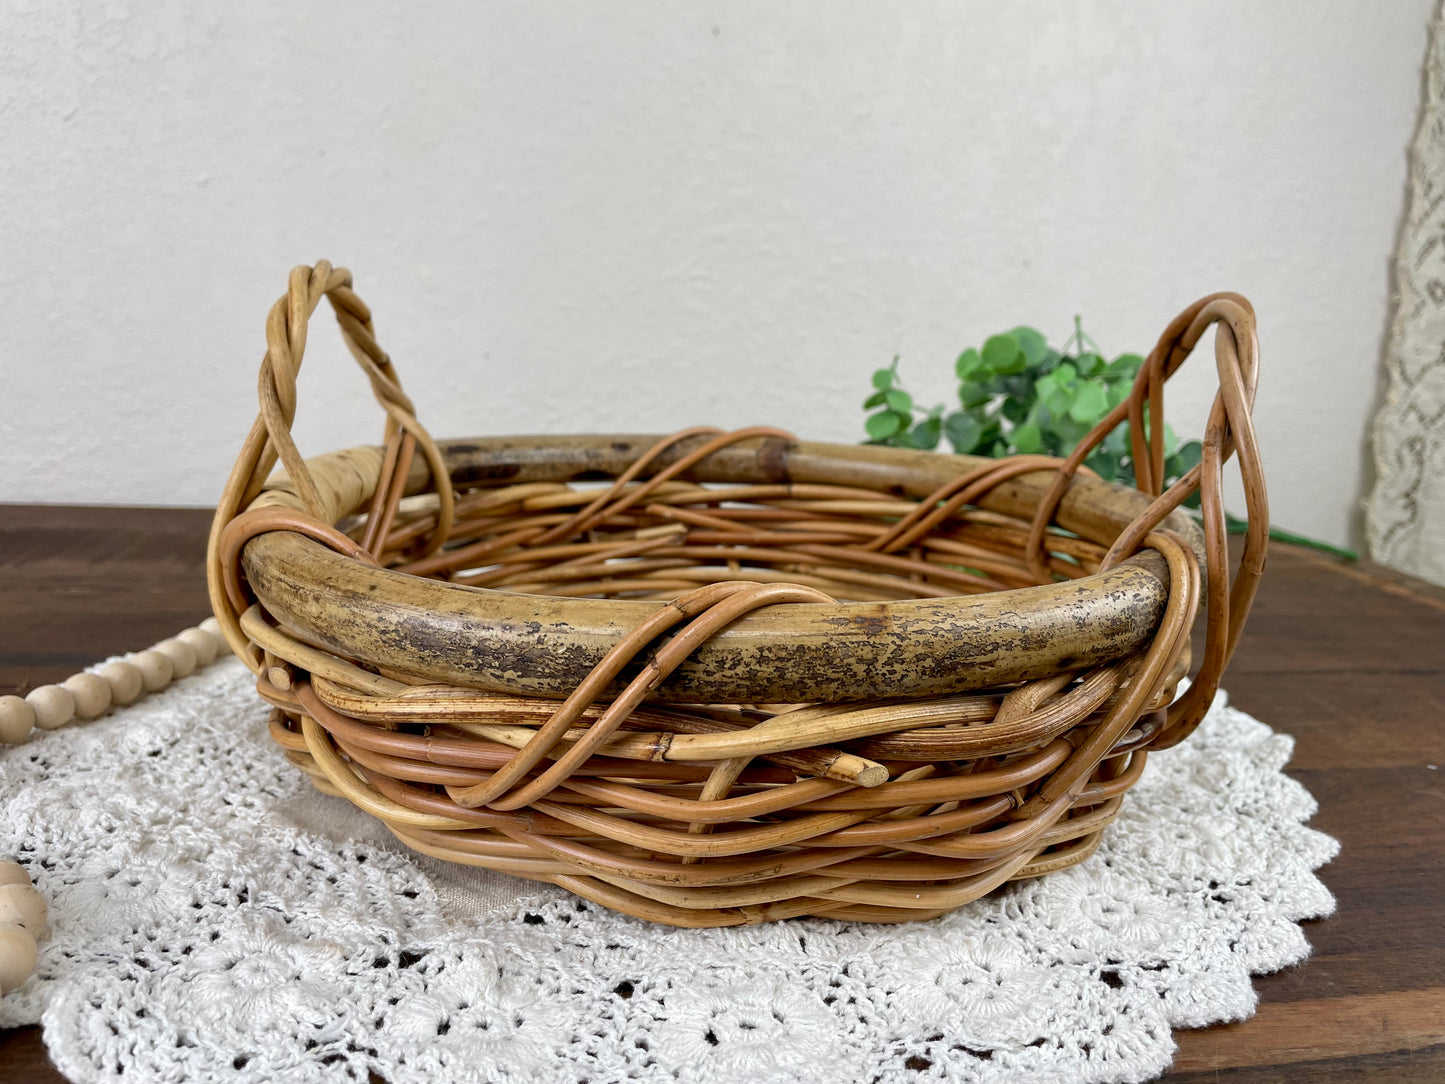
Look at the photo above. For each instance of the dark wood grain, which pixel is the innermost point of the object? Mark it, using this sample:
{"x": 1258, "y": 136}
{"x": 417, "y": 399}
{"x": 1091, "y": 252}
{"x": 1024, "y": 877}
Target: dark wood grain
{"x": 1351, "y": 661}
{"x": 78, "y": 584}
{"x": 1348, "y": 659}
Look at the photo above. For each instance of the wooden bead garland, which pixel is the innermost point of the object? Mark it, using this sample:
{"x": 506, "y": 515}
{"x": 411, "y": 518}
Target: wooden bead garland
{"x": 18, "y": 952}
{"x": 54, "y": 706}
{"x": 156, "y": 669}
{"x": 17, "y": 718}
{"x": 202, "y": 643}
{"x": 90, "y": 694}
{"x": 182, "y": 656}
{"x": 23, "y": 905}
{"x": 86, "y": 695}
{"x": 124, "y": 681}
{"x": 22, "y": 924}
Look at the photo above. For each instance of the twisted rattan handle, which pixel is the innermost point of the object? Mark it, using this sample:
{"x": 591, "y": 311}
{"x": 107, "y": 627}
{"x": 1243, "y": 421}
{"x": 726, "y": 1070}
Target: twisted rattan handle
{"x": 270, "y": 435}
{"x": 1229, "y": 430}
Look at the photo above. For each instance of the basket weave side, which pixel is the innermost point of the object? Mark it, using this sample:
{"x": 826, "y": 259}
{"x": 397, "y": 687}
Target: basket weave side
{"x": 650, "y": 694}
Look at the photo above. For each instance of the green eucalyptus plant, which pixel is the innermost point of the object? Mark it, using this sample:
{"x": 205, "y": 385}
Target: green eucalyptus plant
{"x": 1019, "y": 395}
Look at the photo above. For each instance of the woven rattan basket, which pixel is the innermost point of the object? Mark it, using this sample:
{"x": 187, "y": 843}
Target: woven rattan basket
{"x": 714, "y": 678}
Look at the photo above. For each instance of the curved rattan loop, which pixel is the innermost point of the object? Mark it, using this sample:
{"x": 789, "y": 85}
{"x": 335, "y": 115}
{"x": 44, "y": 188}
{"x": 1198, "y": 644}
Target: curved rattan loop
{"x": 749, "y": 677}
{"x": 1229, "y": 427}
{"x": 270, "y": 436}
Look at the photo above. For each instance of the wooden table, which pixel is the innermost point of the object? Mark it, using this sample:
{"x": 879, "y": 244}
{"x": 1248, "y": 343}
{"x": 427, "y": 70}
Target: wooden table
{"x": 1350, "y": 660}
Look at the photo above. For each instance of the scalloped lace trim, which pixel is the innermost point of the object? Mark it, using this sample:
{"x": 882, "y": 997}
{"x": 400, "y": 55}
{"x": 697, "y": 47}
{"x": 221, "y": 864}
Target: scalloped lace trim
{"x": 215, "y": 919}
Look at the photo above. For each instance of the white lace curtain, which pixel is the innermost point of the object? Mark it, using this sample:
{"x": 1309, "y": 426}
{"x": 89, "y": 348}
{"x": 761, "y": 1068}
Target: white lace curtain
{"x": 1405, "y": 515}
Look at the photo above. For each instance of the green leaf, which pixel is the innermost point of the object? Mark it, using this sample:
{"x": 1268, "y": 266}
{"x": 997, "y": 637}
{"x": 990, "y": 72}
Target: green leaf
{"x": 1002, "y": 354}
{"x": 1020, "y": 395}
{"x": 1015, "y": 410}
{"x": 899, "y": 400}
{"x": 968, "y": 363}
{"x": 883, "y": 425}
{"x": 1117, "y": 442}
{"x": 1059, "y": 400}
{"x": 1106, "y": 466}
{"x": 1189, "y": 455}
{"x": 1070, "y": 431}
{"x": 1018, "y": 386}
{"x": 1034, "y": 345}
{"x": 1090, "y": 402}
{"x": 973, "y": 395}
{"x": 1027, "y": 439}
{"x": 925, "y": 434}
{"x": 964, "y": 432}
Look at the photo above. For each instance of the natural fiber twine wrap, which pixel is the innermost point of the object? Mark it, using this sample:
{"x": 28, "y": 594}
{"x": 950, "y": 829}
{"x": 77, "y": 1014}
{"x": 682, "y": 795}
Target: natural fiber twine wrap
{"x": 717, "y": 679}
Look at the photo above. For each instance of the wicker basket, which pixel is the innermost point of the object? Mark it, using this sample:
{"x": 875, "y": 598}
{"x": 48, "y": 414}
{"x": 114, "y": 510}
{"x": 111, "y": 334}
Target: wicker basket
{"x": 721, "y": 678}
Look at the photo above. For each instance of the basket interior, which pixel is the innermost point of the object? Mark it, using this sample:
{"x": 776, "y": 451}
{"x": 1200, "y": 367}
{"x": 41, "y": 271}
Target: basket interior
{"x": 595, "y": 538}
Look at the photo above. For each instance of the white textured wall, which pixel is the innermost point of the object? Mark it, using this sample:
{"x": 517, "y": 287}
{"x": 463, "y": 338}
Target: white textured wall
{"x": 576, "y": 216}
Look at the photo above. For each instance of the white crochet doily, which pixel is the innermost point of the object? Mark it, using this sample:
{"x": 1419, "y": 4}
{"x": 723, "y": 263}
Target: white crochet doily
{"x": 215, "y": 919}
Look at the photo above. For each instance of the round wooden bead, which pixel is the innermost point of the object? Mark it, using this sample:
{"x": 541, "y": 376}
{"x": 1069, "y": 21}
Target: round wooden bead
{"x": 23, "y": 905}
{"x": 17, "y": 718}
{"x": 124, "y": 680}
{"x": 18, "y": 952}
{"x": 92, "y": 694}
{"x": 213, "y": 627}
{"x": 13, "y": 873}
{"x": 155, "y": 669}
{"x": 202, "y": 643}
{"x": 181, "y": 654}
{"x": 54, "y": 706}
